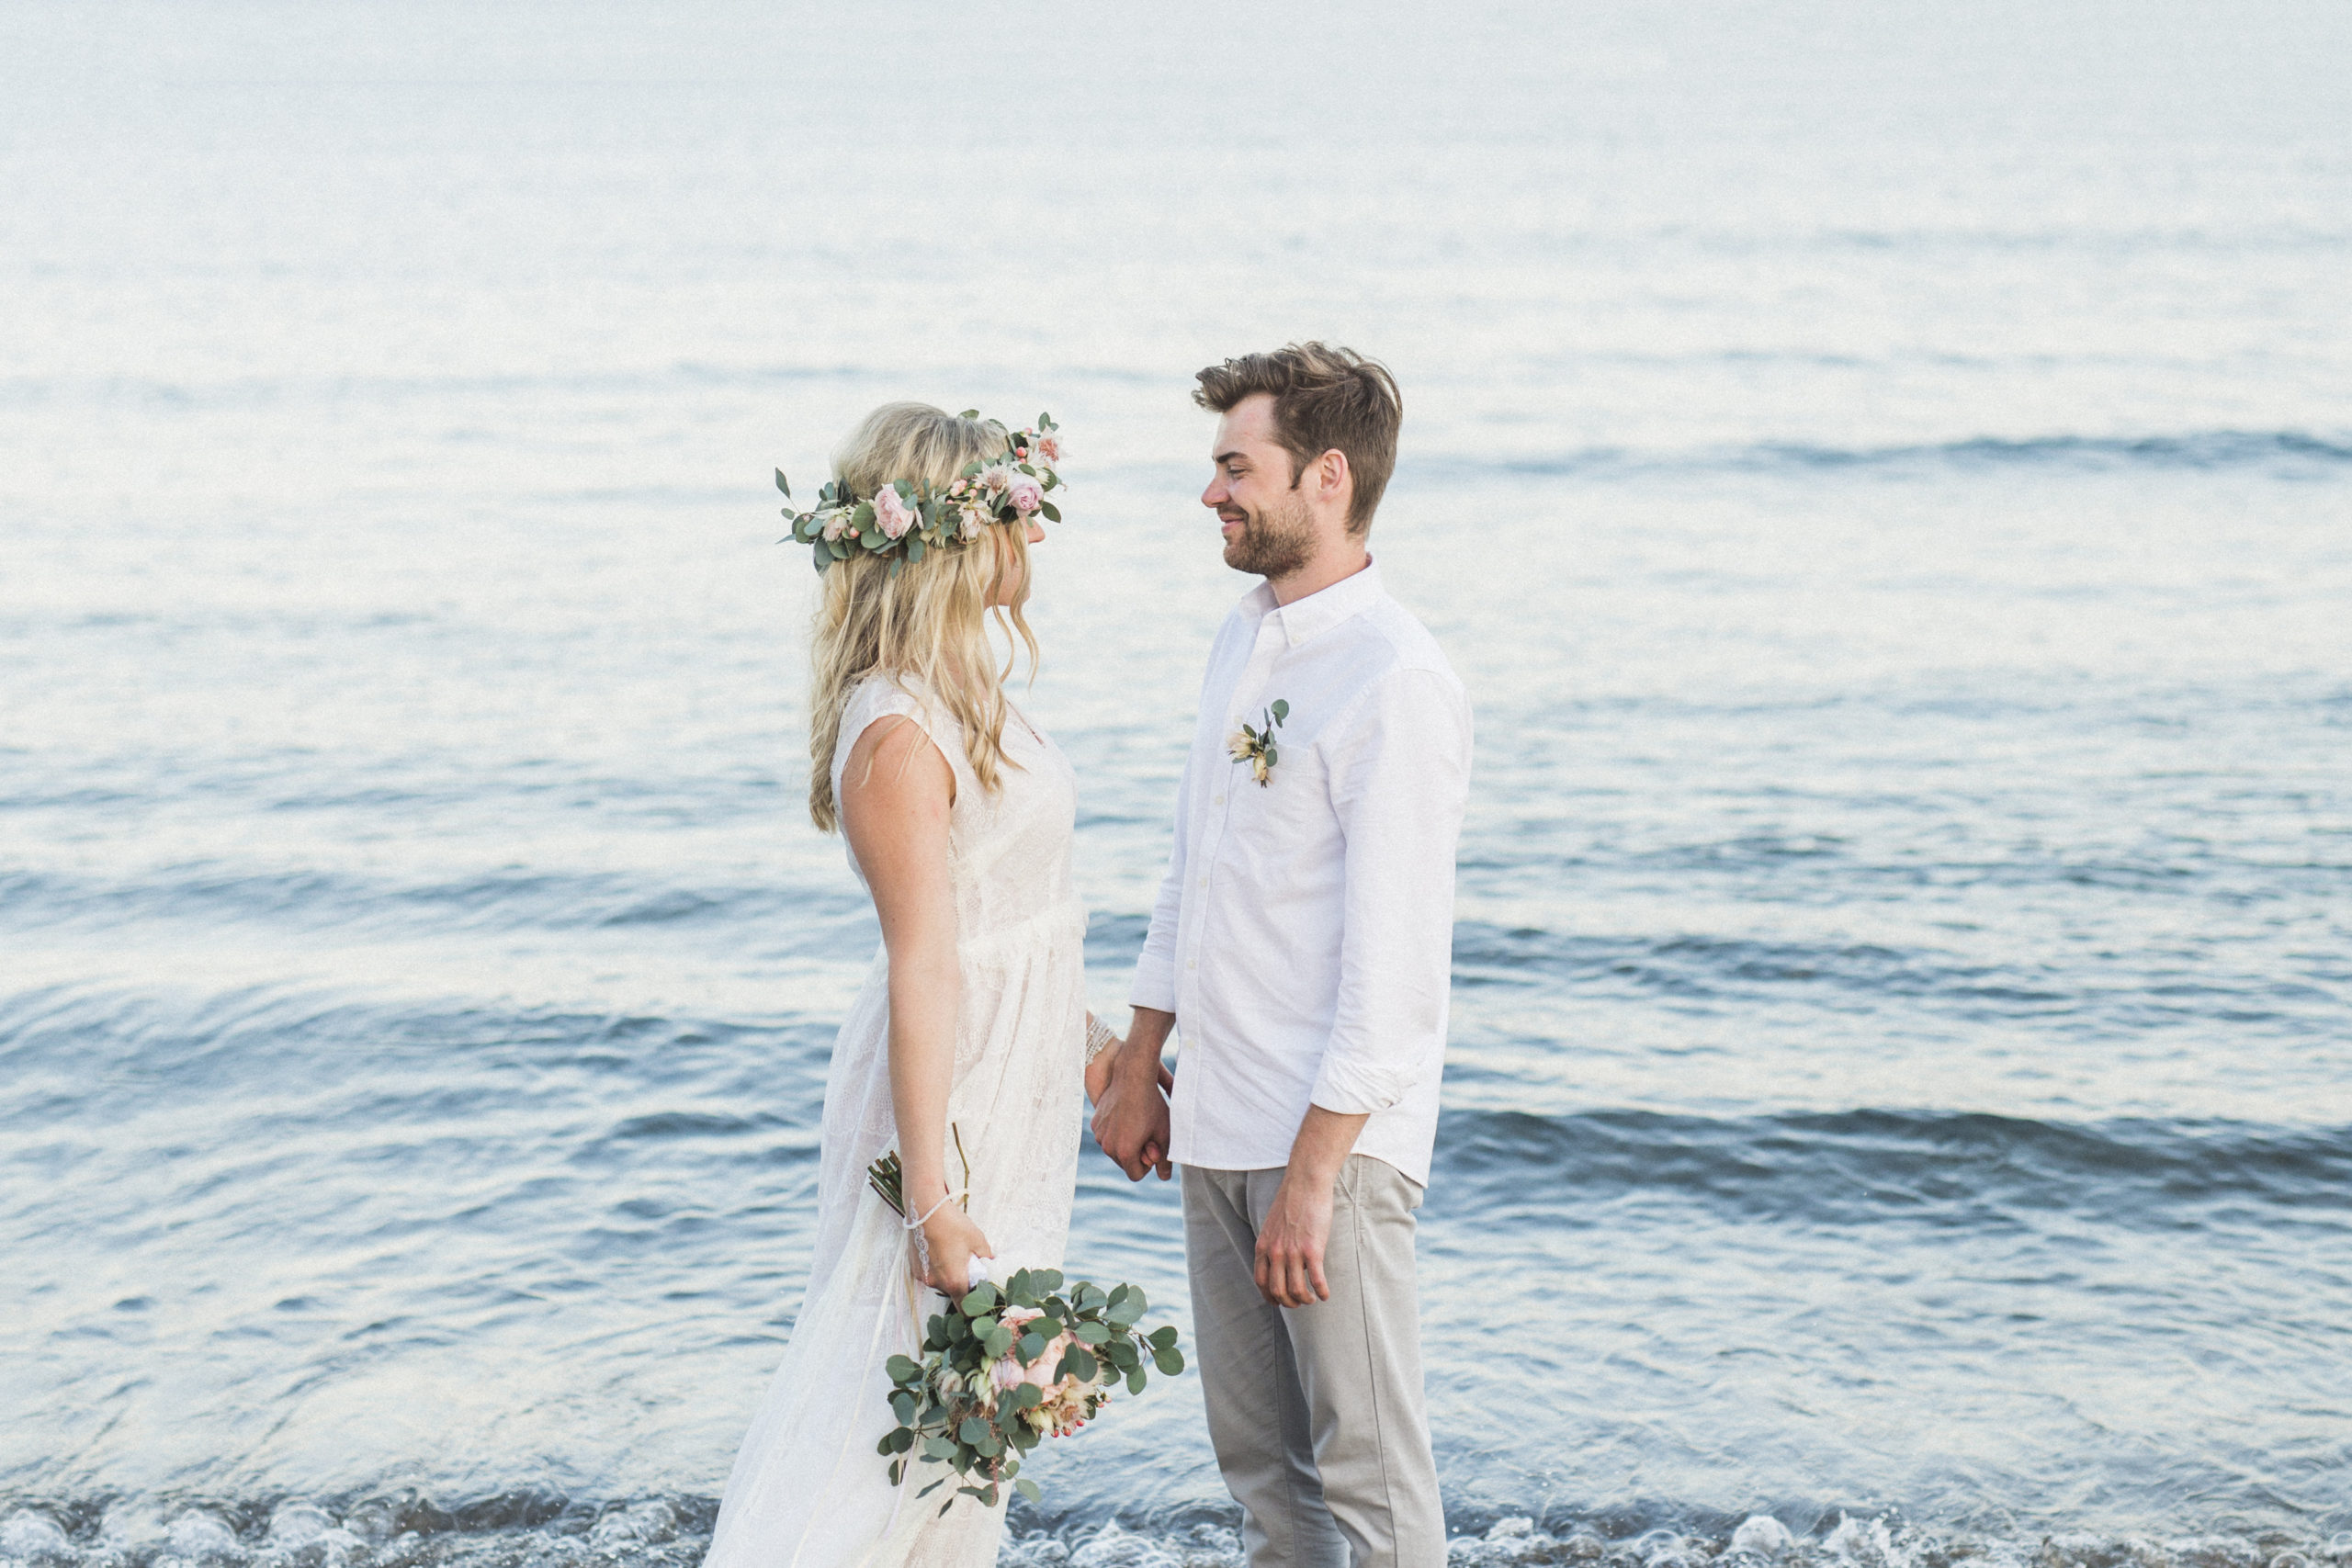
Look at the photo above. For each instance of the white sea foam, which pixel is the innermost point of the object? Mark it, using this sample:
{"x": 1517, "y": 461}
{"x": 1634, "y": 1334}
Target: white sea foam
{"x": 29, "y": 1535}
{"x": 1762, "y": 1535}
{"x": 673, "y": 1533}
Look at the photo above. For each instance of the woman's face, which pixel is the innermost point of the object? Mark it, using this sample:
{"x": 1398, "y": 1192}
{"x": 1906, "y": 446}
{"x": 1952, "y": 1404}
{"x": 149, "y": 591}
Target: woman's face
{"x": 1012, "y": 574}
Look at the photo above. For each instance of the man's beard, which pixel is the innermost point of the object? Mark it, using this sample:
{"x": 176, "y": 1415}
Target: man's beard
{"x": 1274, "y": 542}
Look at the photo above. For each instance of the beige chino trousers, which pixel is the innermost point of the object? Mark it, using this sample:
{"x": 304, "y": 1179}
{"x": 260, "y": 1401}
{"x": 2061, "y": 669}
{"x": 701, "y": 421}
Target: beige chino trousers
{"x": 1316, "y": 1412}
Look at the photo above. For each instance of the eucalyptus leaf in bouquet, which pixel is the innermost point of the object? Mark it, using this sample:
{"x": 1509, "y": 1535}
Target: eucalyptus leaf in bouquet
{"x": 1009, "y": 1367}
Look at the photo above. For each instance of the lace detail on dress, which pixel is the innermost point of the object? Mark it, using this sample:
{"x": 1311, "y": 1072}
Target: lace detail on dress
{"x": 807, "y": 1490}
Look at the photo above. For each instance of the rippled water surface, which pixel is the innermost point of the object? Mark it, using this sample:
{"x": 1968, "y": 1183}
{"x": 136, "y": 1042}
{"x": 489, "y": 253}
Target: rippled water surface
{"x": 1884, "y": 475}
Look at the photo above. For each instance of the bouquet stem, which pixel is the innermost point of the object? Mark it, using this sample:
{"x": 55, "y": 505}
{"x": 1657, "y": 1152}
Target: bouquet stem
{"x": 887, "y": 1177}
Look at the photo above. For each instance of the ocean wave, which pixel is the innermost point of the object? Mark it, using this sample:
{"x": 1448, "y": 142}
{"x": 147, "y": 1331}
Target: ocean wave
{"x": 84, "y": 1055}
{"x": 549, "y": 1530}
{"x": 798, "y": 919}
{"x": 1692, "y": 966}
{"x": 1702, "y": 969}
{"x": 280, "y": 781}
{"x": 246, "y": 392}
{"x": 1685, "y": 965}
{"x": 1850, "y": 1168}
{"x": 91, "y": 1055}
{"x": 814, "y": 920}
{"x": 2290, "y": 452}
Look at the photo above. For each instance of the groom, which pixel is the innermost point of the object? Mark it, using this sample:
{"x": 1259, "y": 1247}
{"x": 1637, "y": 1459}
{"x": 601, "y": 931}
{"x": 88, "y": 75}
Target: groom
{"x": 1302, "y": 946}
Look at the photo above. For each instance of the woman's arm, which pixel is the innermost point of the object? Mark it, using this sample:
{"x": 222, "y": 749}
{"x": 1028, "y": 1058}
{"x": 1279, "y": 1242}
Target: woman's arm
{"x": 1098, "y": 1063}
{"x": 896, "y": 792}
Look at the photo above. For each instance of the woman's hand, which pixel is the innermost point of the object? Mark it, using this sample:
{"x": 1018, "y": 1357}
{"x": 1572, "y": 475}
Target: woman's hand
{"x": 1103, "y": 1088}
{"x": 951, "y": 1241}
{"x": 1098, "y": 1073}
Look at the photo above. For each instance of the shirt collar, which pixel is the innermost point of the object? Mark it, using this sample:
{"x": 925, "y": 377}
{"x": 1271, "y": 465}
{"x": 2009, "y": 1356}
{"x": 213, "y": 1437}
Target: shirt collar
{"x": 1303, "y": 619}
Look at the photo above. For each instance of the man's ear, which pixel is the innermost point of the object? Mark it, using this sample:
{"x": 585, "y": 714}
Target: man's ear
{"x": 1331, "y": 476}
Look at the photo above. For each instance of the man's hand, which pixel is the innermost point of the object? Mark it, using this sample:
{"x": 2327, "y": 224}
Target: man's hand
{"x": 1298, "y": 1225}
{"x": 1131, "y": 1119}
{"x": 1291, "y": 1241}
{"x": 1131, "y": 1126}
{"x": 1099, "y": 1070}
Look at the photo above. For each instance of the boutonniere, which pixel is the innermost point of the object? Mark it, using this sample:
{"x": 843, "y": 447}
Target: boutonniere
{"x": 1256, "y": 747}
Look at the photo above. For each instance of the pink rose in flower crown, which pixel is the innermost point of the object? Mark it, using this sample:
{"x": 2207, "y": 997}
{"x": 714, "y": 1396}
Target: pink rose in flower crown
{"x": 836, "y": 525}
{"x": 891, "y": 513}
{"x": 1027, "y": 495}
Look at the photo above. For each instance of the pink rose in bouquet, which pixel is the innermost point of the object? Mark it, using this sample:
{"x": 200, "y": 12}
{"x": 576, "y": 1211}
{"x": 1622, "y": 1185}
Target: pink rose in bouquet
{"x": 1009, "y": 1366}
{"x": 1067, "y": 1400}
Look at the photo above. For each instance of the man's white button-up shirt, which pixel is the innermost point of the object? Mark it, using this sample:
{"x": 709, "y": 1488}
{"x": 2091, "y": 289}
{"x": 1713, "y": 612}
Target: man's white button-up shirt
{"x": 1304, "y": 936}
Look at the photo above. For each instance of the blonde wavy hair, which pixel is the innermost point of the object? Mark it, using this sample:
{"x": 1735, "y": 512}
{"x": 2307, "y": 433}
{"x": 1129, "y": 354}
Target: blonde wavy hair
{"x": 928, "y": 622}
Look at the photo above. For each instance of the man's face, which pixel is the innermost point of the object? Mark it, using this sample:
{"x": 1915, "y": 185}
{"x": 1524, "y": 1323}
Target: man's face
{"x": 1254, "y": 493}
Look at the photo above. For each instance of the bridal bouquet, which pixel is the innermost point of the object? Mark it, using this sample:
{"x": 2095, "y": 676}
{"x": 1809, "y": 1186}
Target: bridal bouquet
{"x": 1007, "y": 1368}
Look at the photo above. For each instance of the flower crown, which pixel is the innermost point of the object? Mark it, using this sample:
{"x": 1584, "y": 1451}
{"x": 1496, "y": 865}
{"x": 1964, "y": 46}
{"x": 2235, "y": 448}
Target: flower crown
{"x": 902, "y": 521}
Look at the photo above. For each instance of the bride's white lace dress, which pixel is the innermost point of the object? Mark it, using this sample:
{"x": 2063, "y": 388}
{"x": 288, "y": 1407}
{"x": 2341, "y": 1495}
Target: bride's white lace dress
{"x": 807, "y": 1490}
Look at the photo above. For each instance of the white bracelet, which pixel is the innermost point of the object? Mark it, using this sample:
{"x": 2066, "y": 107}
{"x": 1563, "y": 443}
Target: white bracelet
{"x": 1098, "y": 1038}
{"x": 945, "y": 1199}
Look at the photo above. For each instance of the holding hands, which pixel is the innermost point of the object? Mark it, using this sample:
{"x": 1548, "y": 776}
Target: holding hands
{"x": 1129, "y": 1085}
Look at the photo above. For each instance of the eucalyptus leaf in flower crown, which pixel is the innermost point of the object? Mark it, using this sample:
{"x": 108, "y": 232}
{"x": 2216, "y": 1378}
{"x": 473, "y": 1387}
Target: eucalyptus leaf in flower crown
{"x": 902, "y": 521}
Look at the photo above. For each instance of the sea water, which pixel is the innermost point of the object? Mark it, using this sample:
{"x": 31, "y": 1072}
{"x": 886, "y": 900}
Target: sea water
{"x": 1885, "y": 473}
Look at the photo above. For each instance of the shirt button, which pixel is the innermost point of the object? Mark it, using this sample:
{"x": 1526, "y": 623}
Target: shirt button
{"x": 1204, "y": 881}
{"x": 1191, "y": 964}
{"x": 1218, "y": 801}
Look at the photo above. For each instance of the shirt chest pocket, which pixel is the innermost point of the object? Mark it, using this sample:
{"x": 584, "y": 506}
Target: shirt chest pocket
{"x": 1282, "y": 834}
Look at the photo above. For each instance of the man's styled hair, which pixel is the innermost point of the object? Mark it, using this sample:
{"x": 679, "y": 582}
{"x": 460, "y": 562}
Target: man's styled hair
{"x": 1324, "y": 398}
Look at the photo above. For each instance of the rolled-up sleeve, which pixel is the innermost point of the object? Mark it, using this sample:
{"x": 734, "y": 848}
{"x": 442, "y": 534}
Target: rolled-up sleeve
{"x": 1399, "y": 777}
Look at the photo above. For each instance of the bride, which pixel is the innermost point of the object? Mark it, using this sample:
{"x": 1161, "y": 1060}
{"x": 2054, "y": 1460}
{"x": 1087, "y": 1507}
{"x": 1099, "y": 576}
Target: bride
{"x": 968, "y": 1045}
